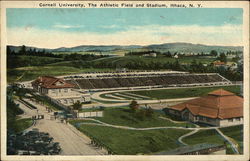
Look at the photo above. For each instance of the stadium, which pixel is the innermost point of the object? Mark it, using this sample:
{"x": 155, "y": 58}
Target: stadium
{"x": 143, "y": 80}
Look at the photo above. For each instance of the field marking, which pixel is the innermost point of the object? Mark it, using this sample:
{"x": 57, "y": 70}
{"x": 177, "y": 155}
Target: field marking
{"x": 137, "y": 95}
{"x": 122, "y": 95}
{"x": 97, "y": 94}
{"x": 114, "y": 96}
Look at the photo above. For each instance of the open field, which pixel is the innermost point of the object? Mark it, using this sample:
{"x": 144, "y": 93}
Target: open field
{"x": 204, "y": 136}
{"x": 183, "y": 92}
{"x": 212, "y": 136}
{"x": 32, "y": 72}
{"x": 125, "y": 142}
{"x": 160, "y": 59}
{"x": 125, "y": 117}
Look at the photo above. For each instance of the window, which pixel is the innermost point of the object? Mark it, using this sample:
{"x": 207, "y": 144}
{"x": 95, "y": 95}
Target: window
{"x": 53, "y": 90}
{"x": 201, "y": 118}
{"x": 230, "y": 120}
{"x": 237, "y": 119}
{"x": 65, "y": 90}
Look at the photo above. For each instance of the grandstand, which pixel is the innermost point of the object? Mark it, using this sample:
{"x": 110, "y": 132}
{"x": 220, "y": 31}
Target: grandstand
{"x": 106, "y": 81}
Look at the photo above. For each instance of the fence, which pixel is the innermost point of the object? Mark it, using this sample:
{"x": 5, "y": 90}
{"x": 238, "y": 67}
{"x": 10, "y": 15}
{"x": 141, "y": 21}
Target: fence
{"x": 90, "y": 114}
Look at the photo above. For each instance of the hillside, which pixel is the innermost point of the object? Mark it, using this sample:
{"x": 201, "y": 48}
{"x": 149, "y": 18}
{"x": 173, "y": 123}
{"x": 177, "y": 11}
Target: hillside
{"x": 172, "y": 47}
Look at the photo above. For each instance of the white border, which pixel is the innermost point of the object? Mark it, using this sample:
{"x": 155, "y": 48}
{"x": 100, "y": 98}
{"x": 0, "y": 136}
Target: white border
{"x": 205, "y": 4}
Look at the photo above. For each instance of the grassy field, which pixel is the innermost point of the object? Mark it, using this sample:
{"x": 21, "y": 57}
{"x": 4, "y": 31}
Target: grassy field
{"x": 208, "y": 136}
{"x": 160, "y": 59}
{"x": 22, "y": 124}
{"x": 125, "y": 117}
{"x": 130, "y": 142}
{"x": 236, "y": 133}
{"x": 184, "y": 92}
{"x": 32, "y": 72}
{"x": 204, "y": 136}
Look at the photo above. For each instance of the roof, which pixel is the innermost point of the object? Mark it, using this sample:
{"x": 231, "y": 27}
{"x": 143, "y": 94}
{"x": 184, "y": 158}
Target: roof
{"x": 221, "y": 92}
{"x": 189, "y": 149}
{"x": 52, "y": 82}
{"x": 220, "y": 104}
{"x": 218, "y": 63}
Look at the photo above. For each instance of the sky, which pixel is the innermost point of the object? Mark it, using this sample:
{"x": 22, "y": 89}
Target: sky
{"x": 57, "y": 27}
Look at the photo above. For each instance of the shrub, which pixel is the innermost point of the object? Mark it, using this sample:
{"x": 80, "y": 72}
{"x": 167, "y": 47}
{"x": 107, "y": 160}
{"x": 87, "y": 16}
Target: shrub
{"x": 134, "y": 105}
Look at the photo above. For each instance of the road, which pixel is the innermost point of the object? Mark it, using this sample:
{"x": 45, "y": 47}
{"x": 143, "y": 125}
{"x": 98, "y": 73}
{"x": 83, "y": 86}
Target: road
{"x": 71, "y": 140}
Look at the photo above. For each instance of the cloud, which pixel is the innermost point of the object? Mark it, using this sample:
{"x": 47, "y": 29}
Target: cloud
{"x": 110, "y": 27}
{"x": 132, "y": 35}
{"x": 67, "y": 26}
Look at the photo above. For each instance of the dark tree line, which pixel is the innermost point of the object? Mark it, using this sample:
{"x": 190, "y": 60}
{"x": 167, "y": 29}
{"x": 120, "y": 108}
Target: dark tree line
{"x": 31, "y": 52}
{"x": 32, "y": 57}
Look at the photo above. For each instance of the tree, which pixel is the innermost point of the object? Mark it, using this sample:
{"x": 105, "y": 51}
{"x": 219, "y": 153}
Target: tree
{"x": 134, "y": 105}
{"x": 168, "y": 54}
{"x": 77, "y": 105}
{"x": 149, "y": 112}
{"x": 8, "y": 50}
{"x": 222, "y": 57}
{"x": 23, "y": 50}
{"x": 213, "y": 53}
{"x": 141, "y": 114}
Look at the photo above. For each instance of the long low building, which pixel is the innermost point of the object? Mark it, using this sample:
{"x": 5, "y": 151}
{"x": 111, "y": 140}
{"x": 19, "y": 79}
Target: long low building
{"x": 218, "y": 108}
{"x": 59, "y": 90}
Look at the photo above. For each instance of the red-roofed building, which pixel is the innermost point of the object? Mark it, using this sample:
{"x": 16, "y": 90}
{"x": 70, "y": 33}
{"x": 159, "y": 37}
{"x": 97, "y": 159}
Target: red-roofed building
{"x": 59, "y": 90}
{"x": 218, "y": 108}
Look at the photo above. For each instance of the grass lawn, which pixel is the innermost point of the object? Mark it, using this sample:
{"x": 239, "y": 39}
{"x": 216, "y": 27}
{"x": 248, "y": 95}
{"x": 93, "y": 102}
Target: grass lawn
{"x": 32, "y": 72}
{"x": 130, "y": 142}
{"x": 204, "y": 136}
{"x": 22, "y": 124}
{"x": 207, "y": 136}
{"x": 160, "y": 59}
{"x": 236, "y": 133}
{"x": 125, "y": 117}
{"x": 184, "y": 92}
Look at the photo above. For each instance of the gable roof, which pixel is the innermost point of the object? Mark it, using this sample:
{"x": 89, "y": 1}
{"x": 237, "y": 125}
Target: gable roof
{"x": 217, "y": 104}
{"x": 51, "y": 82}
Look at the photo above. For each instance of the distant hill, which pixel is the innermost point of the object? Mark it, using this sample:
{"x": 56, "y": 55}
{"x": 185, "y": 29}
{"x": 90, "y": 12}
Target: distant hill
{"x": 95, "y": 48}
{"x": 18, "y": 48}
{"x": 172, "y": 47}
{"x": 195, "y": 48}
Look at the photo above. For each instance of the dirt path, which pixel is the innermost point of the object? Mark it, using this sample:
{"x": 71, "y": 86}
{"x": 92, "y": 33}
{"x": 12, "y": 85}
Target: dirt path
{"x": 71, "y": 142}
{"x": 233, "y": 145}
{"x": 186, "y": 135}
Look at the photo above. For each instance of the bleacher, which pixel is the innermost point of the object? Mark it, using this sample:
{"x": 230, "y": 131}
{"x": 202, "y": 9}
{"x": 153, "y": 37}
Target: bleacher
{"x": 153, "y": 80}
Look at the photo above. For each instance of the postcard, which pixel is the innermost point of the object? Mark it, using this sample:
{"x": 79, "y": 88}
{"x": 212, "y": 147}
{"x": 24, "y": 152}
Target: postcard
{"x": 124, "y": 80}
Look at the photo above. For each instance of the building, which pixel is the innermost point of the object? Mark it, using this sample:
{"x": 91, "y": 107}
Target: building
{"x": 198, "y": 149}
{"x": 218, "y": 108}
{"x": 59, "y": 90}
{"x": 176, "y": 56}
{"x": 219, "y": 64}
{"x": 150, "y": 55}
